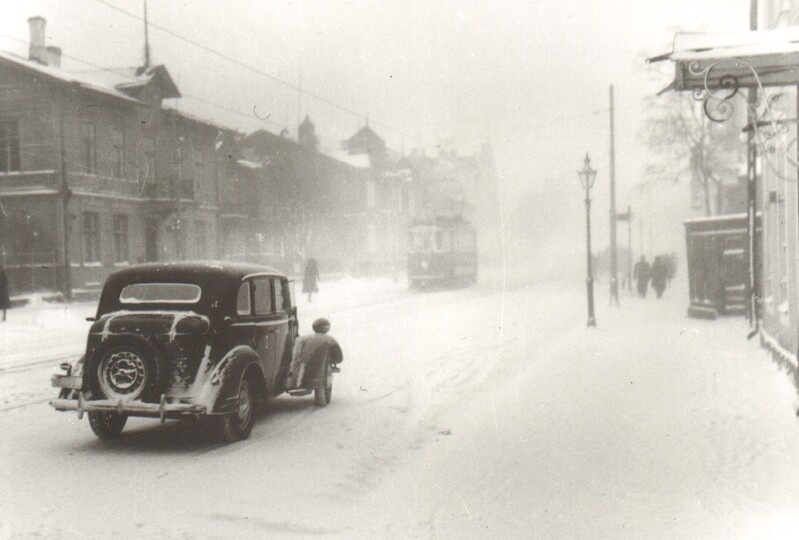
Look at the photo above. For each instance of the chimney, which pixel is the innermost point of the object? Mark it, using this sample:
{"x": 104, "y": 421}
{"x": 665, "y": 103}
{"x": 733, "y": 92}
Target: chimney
{"x": 54, "y": 56}
{"x": 37, "y": 50}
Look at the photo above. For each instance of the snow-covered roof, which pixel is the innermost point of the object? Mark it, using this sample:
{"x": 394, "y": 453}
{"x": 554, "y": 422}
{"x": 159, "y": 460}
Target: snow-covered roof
{"x": 703, "y": 46}
{"x": 358, "y": 161}
{"x": 90, "y": 81}
{"x": 171, "y": 108}
{"x": 734, "y": 60}
{"x": 115, "y": 77}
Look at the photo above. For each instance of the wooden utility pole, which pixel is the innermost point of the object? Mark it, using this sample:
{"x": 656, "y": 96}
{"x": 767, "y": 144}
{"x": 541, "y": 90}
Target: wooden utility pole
{"x": 147, "y": 58}
{"x": 614, "y": 284}
{"x": 66, "y": 194}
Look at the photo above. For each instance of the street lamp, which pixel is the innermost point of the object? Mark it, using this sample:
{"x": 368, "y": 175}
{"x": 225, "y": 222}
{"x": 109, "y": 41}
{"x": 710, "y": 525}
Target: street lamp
{"x": 587, "y": 176}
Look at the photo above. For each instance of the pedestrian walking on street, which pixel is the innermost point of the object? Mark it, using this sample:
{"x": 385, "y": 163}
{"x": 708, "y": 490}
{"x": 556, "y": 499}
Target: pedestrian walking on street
{"x": 310, "y": 278}
{"x": 660, "y": 274}
{"x": 5, "y": 301}
{"x": 641, "y": 275}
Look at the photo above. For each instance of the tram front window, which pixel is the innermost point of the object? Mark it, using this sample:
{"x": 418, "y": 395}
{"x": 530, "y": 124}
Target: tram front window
{"x": 423, "y": 241}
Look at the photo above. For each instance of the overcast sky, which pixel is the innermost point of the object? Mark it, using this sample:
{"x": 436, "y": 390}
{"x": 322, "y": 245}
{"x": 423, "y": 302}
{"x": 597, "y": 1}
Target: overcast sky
{"x": 530, "y": 76}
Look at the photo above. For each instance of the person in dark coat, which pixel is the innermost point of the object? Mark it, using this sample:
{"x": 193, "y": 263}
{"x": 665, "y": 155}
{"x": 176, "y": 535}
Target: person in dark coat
{"x": 641, "y": 275}
{"x": 659, "y": 275}
{"x": 309, "y": 355}
{"x": 310, "y": 278}
{"x": 5, "y": 301}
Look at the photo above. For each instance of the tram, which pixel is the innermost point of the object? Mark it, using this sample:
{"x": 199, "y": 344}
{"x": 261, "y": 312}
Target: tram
{"x": 442, "y": 254}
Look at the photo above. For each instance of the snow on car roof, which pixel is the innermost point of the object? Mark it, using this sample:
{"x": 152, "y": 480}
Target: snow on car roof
{"x": 232, "y": 269}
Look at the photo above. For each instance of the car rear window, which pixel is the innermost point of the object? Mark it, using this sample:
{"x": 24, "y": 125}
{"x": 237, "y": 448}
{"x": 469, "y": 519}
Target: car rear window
{"x": 160, "y": 293}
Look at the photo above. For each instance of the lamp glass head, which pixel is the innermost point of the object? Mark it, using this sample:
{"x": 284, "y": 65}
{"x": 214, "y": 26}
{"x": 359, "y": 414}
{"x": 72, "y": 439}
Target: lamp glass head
{"x": 587, "y": 174}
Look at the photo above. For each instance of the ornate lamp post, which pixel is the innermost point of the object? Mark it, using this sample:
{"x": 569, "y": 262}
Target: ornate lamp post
{"x": 587, "y": 176}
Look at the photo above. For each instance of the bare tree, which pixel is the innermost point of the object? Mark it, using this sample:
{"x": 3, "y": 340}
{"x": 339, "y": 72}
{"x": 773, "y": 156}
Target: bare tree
{"x": 683, "y": 142}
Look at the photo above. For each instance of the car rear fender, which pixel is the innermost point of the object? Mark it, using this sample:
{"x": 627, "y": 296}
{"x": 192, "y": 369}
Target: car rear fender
{"x": 219, "y": 390}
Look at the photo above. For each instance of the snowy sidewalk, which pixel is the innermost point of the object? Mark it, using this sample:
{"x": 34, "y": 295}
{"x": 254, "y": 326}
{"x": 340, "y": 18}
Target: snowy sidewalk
{"x": 651, "y": 425}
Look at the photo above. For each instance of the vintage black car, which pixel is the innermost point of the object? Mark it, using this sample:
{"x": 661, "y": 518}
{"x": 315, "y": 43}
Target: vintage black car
{"x": 185, "y": 340}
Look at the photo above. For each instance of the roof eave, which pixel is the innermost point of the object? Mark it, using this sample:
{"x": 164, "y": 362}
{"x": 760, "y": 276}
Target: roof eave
{"x": 107, "y": 92}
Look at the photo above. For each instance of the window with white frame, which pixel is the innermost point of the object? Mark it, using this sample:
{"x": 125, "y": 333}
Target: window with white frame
{"x": 91, "y": 237}
{"x": 121, "y": 238}
{"x": 117, "y": 152}
{"x": 200, "y": 239}
{"x": 88, "y": 148}
{"x": 9, "y": 146}
{"x": 147, "y": 173}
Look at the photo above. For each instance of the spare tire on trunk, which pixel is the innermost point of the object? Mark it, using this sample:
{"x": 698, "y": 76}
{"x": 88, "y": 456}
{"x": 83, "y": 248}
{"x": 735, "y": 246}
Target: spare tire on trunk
{"x": 125, "y": 367}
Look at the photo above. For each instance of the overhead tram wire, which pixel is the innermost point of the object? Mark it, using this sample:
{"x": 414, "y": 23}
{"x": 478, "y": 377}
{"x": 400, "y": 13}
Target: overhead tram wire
{"x": 269, "y": 76}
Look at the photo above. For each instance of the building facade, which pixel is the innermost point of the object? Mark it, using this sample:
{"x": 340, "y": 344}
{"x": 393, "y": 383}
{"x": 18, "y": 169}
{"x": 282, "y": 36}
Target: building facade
{"x": 778, "y": 197}
{"x": 756, "y": 71}
{"x": 98, "y": 172}
{"x": 341, "y": 207}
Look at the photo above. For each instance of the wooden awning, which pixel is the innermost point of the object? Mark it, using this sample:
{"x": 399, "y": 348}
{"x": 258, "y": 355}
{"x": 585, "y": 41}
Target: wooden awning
{"x": 735, "y": 60}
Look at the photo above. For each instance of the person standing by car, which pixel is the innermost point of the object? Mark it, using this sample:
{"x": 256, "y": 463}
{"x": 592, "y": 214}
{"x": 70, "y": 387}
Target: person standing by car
{"x": 310, "y": 278}
{"x": 641, "y": 275}
{"x": 315, "y": 358}
{"x": 5, "y": 301}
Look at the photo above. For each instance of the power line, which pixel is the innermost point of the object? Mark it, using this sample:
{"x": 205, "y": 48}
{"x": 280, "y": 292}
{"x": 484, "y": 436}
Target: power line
{"x": 269, "y": 76}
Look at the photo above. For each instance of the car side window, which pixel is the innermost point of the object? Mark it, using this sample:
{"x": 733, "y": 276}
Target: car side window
{"x": 262, "y": 294}
{"x": 243, "y": 299}
{"x": 278, "y": 285}
{"x": 291, "y": 293}
{"x": 288, "y": 293}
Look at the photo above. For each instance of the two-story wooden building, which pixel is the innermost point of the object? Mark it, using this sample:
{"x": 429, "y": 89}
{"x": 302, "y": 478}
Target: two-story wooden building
{"x": 98, "y": 170}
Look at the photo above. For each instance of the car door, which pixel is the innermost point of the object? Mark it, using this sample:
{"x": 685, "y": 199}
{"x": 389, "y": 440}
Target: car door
{"x": 285, "y": 328}
{"x": 242, "y": 332}
{"x": 266, "y": 323}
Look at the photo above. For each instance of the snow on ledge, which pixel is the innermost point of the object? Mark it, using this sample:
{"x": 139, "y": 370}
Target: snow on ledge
{"x": 775, "y": 346}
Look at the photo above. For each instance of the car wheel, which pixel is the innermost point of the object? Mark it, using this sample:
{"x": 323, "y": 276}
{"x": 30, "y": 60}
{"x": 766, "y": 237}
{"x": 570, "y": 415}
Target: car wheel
{"x": 323, "y": 394}
{"x": 124, "y": 370}
{"x": 238, "y": 425}
{"x": 107, "y": 425}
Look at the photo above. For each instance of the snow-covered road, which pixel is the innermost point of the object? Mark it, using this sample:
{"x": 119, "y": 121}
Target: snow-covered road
{"x": 481, "y": 412}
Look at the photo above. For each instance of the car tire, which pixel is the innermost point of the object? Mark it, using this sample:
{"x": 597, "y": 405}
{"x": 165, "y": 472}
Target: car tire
{"x": 125, "y": 369}
{"x": 238, "y": 425}
{"x": 107, "y": 425}
{"x": 323, "y": 394}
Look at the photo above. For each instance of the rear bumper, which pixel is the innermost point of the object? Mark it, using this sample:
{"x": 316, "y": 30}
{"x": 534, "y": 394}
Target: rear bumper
{"x": 162, "y": 410}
